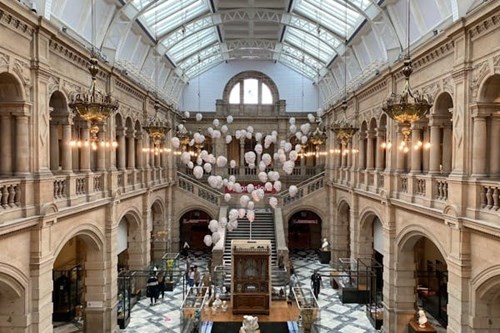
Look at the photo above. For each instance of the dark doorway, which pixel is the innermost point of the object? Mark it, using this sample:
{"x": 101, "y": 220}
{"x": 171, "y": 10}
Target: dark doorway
{"x": 194, "y": 227}
{"x": 304, "y": 231}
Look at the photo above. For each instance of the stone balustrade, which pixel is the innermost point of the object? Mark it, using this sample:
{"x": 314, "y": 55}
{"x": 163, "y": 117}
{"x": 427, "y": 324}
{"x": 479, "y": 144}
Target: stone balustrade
{"x": 490, "y": 196}
{"x": 10, "y": 194}
{"x": 198, "y": 189}
{"x": 304, "y": 189}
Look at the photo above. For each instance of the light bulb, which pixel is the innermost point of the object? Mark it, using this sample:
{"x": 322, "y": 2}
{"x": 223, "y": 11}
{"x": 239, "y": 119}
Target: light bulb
{"x": 94, "y": 146}
{"x": 427, "y": 145}
{"x": 114, "y": 144}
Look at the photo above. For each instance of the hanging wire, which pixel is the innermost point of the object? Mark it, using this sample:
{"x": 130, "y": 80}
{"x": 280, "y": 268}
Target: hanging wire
{"x": 408, "y": 28}
{"x": 344, "y": 103}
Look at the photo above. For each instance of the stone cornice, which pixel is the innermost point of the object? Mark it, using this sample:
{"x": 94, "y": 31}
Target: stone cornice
{"x": 128, "y": 89}
{"x": 16, "y": 24}
{"x": 486, "y": 25}
{"x": 372, "y": 89}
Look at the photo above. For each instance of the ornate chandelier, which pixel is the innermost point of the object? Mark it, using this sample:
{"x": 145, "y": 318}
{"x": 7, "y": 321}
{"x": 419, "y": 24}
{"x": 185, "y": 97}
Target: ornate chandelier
{"x": 157, "y": 129}
{"x": 343, "y": 129}
{"x": 408, "y": 107}
{"x": 183, "y": 134}
{"x": 318, "y": 137}
{"x": 94, "y": 106}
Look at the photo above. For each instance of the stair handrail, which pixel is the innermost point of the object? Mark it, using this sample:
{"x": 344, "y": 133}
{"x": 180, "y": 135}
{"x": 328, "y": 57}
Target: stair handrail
{"x": 215, "y": 193}
{"x": 302, "y": 186}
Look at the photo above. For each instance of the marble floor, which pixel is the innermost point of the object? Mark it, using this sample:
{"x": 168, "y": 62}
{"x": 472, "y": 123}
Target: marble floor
{"x": 335, "y": 316}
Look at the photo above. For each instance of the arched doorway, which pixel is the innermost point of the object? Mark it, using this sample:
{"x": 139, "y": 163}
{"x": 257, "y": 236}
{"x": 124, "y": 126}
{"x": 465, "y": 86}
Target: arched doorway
{"x": 129, "y": 249}
{"x": 69, "y": 279}
{"x": 304, "y": 231}
{"x": 159, "y": 234}
{"x": 341, "y": 242}
{"x": 193, "y": 228}
{"x": 421, "y": 267}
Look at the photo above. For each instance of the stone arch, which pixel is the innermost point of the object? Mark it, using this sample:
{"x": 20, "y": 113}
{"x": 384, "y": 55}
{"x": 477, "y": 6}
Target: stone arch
{"x": 441, "y": 134}
{"x": 60, "y": 132}
{"x": 11, "y": 88}
{"x": 132, "y": 212}
{"x": 160, "y": 232}
{"x": 134, "y": 255}
{"x": 367, "y": 217}
{"x": 489, "y": 89}
{"x": 341, "y": 239}
{"x": 304, "y": 227}
{"x": 14, "y": 297}
{"x": 92, "y": 236}
{"x": 485, "y": 305}
{"x": 193, "y": 226}
{"x": 412, "y": 267}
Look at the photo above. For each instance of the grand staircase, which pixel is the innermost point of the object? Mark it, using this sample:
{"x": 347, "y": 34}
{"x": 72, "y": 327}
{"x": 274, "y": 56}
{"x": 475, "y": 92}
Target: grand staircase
{"x": 262, "y": 228}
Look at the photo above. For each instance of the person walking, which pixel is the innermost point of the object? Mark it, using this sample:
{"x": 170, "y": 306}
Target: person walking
{"x": 316, "y": 283}
{"x": 161, "y": 286}
{"x": 191, "y": 276}
{"x": 152, "y": 290}
{"x": 197, "y": 276}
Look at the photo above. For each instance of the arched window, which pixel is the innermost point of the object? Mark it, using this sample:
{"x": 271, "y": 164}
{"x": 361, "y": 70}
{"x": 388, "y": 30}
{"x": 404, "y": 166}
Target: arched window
{"x": 251, "y": 88}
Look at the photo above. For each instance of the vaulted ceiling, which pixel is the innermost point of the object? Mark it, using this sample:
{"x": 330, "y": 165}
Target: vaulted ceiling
{"x": 166, "y": 43}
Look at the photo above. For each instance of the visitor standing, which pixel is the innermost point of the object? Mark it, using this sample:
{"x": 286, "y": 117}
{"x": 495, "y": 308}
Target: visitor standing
{"x": 152, "y": 290}
{"x": 316, "y": 283}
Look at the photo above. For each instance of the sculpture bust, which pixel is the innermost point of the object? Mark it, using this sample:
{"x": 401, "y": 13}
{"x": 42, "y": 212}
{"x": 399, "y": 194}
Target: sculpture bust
{"x": 250, "y": 324}
{"x": 422, "y": 318}
{"x": 325, "y": 245}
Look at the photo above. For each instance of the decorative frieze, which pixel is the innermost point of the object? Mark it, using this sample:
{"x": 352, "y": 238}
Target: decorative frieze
{"x": 431, "y": 89}
{"x": 479, "y": 72}
{"x": 128, "y": 89}
{"x": 16, "y": 24}
{"x": 4, "y": 61}
{"x": 53, "y": 85}
{"x": 486, "y": 25}
{"x": 448, "y": 85}
{"x": 72, "y": 56}
{"x": 373, "y": 89}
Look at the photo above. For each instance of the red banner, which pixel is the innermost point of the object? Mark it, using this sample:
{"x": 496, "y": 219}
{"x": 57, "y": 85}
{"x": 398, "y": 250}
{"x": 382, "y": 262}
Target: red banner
{"x": 305, "y": 221}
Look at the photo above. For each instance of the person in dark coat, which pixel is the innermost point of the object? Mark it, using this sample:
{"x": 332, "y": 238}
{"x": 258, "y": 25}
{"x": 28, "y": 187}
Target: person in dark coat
{"x": 316, "y": 283}
{"x": 161, "y": 286}
{"x": 152, "y": 289}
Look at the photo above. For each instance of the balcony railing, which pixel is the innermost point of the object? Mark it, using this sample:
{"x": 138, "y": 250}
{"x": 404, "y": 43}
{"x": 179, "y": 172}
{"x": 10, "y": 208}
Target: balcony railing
{"x": 60, "y": 187}
{"x": 10, "y": 194}
{"x": 305, "y": 188}
{"x": 490, "y": 196}
{"x": 199, "y": 189}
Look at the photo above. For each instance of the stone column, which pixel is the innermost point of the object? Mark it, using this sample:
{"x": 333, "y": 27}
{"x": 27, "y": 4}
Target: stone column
{"x": 101, "y": 151}
{"x": 479, "y": 147}
{"x": 6, "y": 146}
{"x": 138, "y": 151}
{"x": 23, "y": 147}
{"x": 435, "y": 149}
{"x": 380, "y": 151}
{"x": 67, "y": 151}
{"x": 370, "y": 161}
{"x": 400, "y": 160}
{"x": 122, "y": 148}
{"x": 350, "y": 155}
{"x": 447, "y": 153}
{"x": 85, "y": 149}
{"x": 131, "y": 149}
{"x": 54, "y": 147}
{"x": 416, "y": 150}
{"x": 495, "y": 151}
{"x": 362, "y": 150}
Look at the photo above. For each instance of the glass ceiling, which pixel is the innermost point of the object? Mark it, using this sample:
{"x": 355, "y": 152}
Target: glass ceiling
{"x": 189, "y": 32}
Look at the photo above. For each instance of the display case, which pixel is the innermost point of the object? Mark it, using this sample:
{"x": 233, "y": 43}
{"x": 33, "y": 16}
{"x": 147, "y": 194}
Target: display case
{"x": 309, "y": 310}
{"x": 171, "y": 266}
{"x": 67, "y": 294}
{"x": 124, "y": 306}
{"x": 352, "y": 278}
{"x": 374, "y": 307}
{"x": 251, "y": 276}
{"x": 191, "y": 309}
{"x": 375, "y": 312}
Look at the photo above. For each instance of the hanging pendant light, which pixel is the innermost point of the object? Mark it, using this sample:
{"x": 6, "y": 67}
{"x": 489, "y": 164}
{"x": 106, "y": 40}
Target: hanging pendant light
{"x": 157, "y": 129}
{"x": 409, "y": 106}
{"x": 93, "y": 106}
{"x": 344, "y": 130}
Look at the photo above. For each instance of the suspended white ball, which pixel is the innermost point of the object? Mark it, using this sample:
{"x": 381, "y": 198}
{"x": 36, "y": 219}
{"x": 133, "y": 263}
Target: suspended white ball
{"x": 242, "y": 212}
{"x": 251, "y": 205}
{"x": 186, "y": 114}
{"x": 311, "y": 118}
{"x": 232, "y": 178}
{"x": 293, "y": 190}
{"x": 250, "y": 215}
{"x": 238, "y": 188}
{"x": 288, "y": 167}
{"x": 250, "y": 129}
{"x": 215, "y": 237}
{"x": 293, "y": 129}
{"x": 229, "y": 119}
{"x": 207, "y": 167}
{"x": 250, "y": 188}
{"x": 249, "y": 135}
{"x": 244, "y": 199}
{"x": 232, "y": 164}
{"x": 223, "y": 222}
{"x": 199, "y": 117}
{"x": 266, "y": 158}
{"x": 233, "y": 214}
{"x": 185, "y": 157}
{"x": 277, "y": 185}
{"x": 305, "y": 128}
{"x": 213, "y": 225}
{"x": 303, "y": 139}
{"x": 227, "y": 197}
{"x": 175, "y": 142}
{"x": 198, "y": 172}
{"x": 216, "y": 122}
{"x": 273, "y": 202}
{"x": 237, "y": 134}
{"x": 216, "y": 134}
{"x": 207, "y": 240}
{"x": 262, "y": 166}
{"x": 268, "y": 186}
{"x": 288, "y": 147}
{"x": 298, "y": 147}
{"x": 224, "y": 129}
{"x": 293, "y": 155}
{"x": 210, "y": 130}
{"x": 258, "y": 148}
{"x": 229, "y": 138}
{"x": 263, "y": 176}
{"x": 221, "y": 161}
{"x": 292, "y": 121}
{"x": 190, "y": 164}
{"x": 258, "y": 136}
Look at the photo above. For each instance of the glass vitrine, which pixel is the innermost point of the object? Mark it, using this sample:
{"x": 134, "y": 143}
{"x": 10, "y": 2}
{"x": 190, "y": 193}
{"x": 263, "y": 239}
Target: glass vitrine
{"x": 191, "y": 309}
{"x": 125, "y": 287}
{"x": 67, "y": 294}
{"x": 309, "y": 311}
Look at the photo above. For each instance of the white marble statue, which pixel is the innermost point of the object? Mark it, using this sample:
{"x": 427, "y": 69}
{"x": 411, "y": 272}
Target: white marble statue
{"x": 422, "y": 318}
{"x": 250, "y": 324}
{"x": 325, "y": 245}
